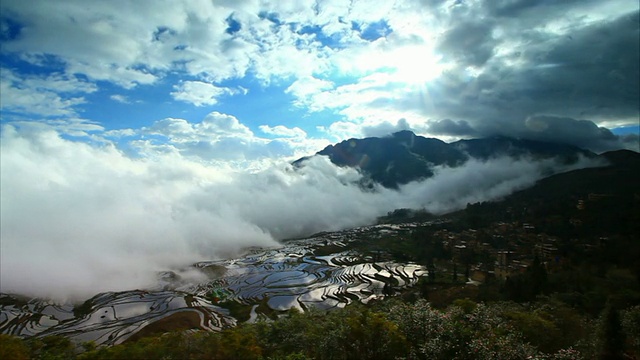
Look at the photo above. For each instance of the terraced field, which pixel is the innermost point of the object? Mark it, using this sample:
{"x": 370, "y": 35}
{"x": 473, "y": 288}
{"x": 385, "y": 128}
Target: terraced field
{"x": 319, "y": 271}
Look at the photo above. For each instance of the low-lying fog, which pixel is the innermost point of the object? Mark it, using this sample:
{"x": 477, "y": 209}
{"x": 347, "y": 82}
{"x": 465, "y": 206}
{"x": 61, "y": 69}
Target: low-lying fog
{"x": 78, "y": 219}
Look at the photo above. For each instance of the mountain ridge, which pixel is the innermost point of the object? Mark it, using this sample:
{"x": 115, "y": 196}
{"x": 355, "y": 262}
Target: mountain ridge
{"x": 403, "y": 156}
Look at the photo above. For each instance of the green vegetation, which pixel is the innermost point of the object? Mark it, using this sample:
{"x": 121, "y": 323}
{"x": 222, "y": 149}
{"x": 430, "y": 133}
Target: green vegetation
{"x": 83, "y": 309}
{"x": 546, "y": 329}
{"x": 12, "y": 348}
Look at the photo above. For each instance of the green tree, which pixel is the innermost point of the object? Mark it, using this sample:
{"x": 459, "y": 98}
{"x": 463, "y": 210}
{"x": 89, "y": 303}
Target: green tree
{"x": 455, "y": 272}
{"x": 612, "y": 339}
{"x": 631, "y": 326}
{"x": 55, "y": 347}
{"x": 431, "y": 268}
{"x": 538, "y": 277}
{"x": 537, "y": 329}
{"x": 13, "y": 348}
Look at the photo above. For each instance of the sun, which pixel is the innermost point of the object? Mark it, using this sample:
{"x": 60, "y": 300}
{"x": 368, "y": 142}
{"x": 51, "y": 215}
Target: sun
{"x": 411, "y": 64}
{"x": 415, "y": 65}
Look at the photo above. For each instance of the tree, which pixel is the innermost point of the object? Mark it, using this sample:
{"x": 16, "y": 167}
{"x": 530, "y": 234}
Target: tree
{"x": 455, "y": 272}
{"x": 538, "y": 275}
{"x": 51, "y": 347}
{"x": 12, "y": 348}
{"x": 611, "y": 334}
{"x": 431, "y": 268}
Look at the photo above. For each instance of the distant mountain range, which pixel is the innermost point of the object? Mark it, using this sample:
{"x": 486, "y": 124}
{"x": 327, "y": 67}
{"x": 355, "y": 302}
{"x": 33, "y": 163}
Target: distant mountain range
{"x": 404, "y": 156}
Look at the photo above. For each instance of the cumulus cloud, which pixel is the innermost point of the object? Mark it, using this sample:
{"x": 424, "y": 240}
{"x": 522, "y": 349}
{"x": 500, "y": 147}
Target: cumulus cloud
{"x": 199, "y": 93}
{"x": 469, "y": 43}
{"x": 52, "y": 95}
{"x": 451, "y": 127}
{"x": 341, "y": 130}
{"x": 219, "y": 140}
{"x": 370, "y": 100}
{"x": 77, "y": 219}
{"x": 305, "y": 88}
{"x": 581, "y": 133}
{"x": 120, "y": 98}
{"x": 543, "y": 69}
{"x": 110, "y": 43}
{"x": 499, "y": 71}
{"x": 212, "y": 127}
{"x": 281, "y": 130}
{"x": 363, "y": 61}
{"x": 222, "y": 137}
{"x": 385, "y": 128}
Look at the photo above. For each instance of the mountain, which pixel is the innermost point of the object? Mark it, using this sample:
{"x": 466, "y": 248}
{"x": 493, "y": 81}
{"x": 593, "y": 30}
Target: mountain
{"x": 404, "y": 156}
{"x": 620, "y": 177}
{"x": 397, "y": 159}
{"x": 603, "y": 200}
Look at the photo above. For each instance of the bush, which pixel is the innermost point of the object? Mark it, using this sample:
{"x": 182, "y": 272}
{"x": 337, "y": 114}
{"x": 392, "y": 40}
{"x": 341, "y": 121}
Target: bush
{"x": 631, "y": 327}
{"x": 12, "y": 348}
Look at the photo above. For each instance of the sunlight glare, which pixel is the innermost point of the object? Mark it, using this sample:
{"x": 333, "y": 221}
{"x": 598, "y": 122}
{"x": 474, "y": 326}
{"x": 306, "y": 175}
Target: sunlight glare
{"x": 415, "y": 65}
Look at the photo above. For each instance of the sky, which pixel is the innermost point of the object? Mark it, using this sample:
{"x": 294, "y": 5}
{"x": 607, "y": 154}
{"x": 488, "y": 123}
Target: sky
{"x": 141, "y": 135}
{"x": 254, "y": 80}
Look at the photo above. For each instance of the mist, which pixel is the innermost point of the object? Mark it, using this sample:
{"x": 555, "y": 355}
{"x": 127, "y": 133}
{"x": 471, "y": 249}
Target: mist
{"x": 452, "y": 189}
{"x": 78, "y": 218}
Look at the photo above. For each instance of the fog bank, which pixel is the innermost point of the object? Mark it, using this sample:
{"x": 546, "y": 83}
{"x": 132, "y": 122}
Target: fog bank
{"x": 79, "y": 218}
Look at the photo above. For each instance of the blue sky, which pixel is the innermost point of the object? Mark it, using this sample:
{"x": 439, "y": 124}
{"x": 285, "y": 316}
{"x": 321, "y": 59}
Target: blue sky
{"x": 306, "y": 74}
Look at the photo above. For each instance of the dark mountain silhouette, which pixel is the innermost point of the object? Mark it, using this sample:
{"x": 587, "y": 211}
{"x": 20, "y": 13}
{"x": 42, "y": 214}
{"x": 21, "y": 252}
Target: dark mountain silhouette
{"x": 396, "y": 159}
{"x": 404, "y": 157}
{"x": 619, "y": 177}
{"x": 601, "y": 198}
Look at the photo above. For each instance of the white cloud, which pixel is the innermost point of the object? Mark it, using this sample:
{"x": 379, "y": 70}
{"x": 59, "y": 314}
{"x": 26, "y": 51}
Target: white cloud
{"x": 306, "y": 89}
{"x": 120, "y": 133}
{"x": 120, "y": 98}
{"x": 450, "y": 189}
{"x": 110, "y": 43}
{"x": 281, "y": 130}
{"x": 386, "y": 128}
{"x": 292, "y": 143}
{"x": 221, "y": 137}
{"x": 199, "y": 93}
{"x": 341, "y": 130}
{"x": 213, "y": 127}
{"x": 126, "y": 77}
{"x": 367, "y": 101}
{"x": 321, "y": 51}
{"x": 190, "y": 38}
{"x": 50, "y": 96}
{"x": 104, "y": 42}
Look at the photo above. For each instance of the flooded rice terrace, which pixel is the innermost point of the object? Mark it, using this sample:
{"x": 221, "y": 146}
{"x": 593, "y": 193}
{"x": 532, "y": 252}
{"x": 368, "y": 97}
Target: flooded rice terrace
{"x": 320, "y": 271}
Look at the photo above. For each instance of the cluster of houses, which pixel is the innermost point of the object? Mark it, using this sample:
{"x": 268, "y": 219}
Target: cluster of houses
{"x": 501, "y": 251}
